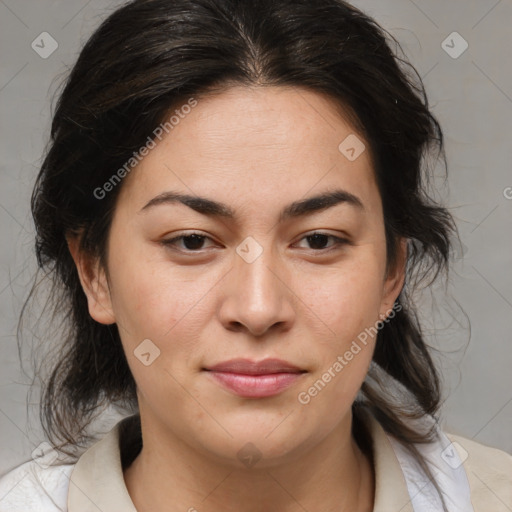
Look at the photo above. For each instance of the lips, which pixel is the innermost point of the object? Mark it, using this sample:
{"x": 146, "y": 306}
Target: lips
{"x": 250, "y": 379}
{"x": 248, "y": 367}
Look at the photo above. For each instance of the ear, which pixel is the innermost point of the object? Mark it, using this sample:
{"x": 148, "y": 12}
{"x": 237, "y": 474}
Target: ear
{"x": 394, "y": 280}
{"x": 94, "y": 282}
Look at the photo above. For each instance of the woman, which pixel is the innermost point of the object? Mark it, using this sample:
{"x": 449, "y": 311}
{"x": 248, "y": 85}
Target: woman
{"x": 201, "y": 150}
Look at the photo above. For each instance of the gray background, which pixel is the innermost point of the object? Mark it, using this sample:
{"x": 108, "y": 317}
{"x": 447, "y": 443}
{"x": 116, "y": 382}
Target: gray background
{"x": 471, "y": 95}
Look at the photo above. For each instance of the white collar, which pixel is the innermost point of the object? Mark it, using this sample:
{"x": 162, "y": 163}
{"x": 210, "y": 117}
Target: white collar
{"x": 97, "y": 481}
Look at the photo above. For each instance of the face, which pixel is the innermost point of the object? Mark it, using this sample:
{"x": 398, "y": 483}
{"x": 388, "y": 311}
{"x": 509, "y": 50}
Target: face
{"x": 259, "y": 279}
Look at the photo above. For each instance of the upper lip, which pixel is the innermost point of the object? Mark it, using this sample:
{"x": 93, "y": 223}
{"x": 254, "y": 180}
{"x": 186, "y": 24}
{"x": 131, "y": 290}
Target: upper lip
{"x": 248, "y": 367}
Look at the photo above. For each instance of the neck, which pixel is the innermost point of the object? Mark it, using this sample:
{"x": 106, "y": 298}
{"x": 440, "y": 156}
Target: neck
{"x": 170, "y": 475}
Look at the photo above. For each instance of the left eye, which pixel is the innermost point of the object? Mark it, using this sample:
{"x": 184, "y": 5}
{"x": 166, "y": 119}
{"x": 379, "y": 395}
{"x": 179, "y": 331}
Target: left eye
{"x": 193, "y": 241}
{"x": 318, "y": 239}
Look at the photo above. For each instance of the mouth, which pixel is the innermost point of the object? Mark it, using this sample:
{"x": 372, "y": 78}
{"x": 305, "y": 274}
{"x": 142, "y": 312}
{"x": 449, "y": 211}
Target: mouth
{"x": 250, "y": 379}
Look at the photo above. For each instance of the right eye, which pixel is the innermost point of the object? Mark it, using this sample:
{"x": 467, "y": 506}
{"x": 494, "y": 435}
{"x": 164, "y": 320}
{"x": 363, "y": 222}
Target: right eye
{"x": 192, "y": 241}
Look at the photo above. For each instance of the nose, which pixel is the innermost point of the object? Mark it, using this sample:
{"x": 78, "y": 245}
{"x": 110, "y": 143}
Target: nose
{"x": 258, "y": 296}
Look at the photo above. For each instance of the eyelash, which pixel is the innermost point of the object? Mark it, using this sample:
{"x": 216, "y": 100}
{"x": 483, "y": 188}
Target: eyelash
{"x": 338, "y": 242}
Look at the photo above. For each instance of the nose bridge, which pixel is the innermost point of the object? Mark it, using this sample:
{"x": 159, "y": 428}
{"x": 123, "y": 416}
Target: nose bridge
{"x": 259, "y": 298}
{"x": 253, "y": 268}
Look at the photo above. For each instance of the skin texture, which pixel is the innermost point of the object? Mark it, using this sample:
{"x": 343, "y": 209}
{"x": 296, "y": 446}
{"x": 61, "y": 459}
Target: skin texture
{"x": 257, "y": 150}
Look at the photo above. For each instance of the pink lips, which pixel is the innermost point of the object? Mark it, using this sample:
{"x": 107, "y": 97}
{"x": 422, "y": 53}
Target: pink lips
{"x": 252, "y": 379}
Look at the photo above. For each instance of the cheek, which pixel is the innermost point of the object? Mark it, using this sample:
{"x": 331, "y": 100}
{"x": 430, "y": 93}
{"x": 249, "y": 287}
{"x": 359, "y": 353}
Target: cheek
{"x": 346, "y": 299}
{"x": 345, "y": 305}
{"x": 152, "y": 298}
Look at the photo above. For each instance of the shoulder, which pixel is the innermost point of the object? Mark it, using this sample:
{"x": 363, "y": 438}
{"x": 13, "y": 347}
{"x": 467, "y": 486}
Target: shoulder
{"x": 489, "y": 473}
{"x": 35, "y": 486}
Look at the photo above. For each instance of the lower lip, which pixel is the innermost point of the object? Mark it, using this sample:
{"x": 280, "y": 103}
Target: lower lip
{"x": 255, "y": 386}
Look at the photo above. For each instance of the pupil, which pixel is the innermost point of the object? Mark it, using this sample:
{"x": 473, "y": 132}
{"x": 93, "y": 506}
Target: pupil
{"x": 316, "y": 238}
{"x": 196, "y": 241}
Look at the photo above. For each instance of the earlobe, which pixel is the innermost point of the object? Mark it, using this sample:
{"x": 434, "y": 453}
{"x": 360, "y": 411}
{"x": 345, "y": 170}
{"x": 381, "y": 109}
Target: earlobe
{"x": 94, "y": 283}
{"x": 394, "y": 282}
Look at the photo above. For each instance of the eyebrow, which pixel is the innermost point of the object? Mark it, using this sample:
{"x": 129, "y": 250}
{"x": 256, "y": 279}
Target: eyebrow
{"x": 296, "y": 209}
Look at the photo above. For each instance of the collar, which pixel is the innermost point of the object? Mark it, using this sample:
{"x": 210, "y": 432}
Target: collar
{"x": 97, "y": 481}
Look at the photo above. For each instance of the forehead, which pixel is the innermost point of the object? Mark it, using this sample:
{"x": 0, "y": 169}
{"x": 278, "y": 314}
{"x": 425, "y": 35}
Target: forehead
{"x": 261, "y": 145}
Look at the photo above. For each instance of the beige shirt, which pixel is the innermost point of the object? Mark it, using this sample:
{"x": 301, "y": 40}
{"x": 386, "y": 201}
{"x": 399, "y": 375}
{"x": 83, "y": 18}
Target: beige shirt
{"x": 96, "y": 483}
{"x": 98, "y": 477}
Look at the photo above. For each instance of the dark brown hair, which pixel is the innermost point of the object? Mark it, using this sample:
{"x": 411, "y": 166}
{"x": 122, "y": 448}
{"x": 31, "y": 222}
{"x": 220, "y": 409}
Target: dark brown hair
{"x": 149, "y": 56}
